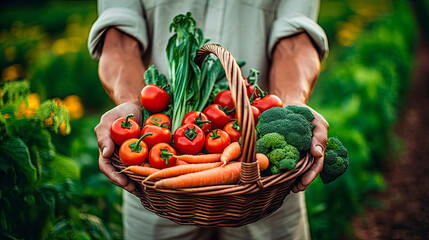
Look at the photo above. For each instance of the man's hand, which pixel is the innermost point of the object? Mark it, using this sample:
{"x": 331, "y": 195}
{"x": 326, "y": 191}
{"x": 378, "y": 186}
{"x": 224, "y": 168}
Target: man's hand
{"x": 121, "y": 72}
{"x": 293, "y": 75}
{"x": 317, "y": 149}
{"x": 107, "y": 146}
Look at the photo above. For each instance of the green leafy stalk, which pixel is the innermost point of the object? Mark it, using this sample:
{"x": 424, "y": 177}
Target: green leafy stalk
{"x": 184, "y": 73}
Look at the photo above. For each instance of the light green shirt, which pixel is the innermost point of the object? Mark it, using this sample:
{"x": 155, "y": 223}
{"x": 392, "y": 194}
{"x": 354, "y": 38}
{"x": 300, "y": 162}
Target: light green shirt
{"x": 248, "y": 29}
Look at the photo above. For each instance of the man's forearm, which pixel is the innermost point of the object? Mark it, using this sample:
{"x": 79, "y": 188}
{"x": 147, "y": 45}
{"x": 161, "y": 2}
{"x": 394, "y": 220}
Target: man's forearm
{"x": 121, "y": 68}
{"x": 295, "y": 69}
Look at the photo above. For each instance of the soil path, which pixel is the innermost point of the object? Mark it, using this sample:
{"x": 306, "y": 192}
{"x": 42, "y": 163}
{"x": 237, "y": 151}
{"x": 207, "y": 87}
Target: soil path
{"x": 405, "y": 212}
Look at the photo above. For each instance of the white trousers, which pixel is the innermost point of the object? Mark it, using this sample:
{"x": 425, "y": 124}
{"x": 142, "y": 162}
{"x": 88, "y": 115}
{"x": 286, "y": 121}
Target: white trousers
{"x": 288, "y": 222}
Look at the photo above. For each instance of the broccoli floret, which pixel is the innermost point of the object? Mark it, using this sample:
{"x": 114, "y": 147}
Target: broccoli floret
{"x": 274, "y": 140}
{"x": 284, "y": 158}
{"x": 273, "y": 114}
{"x": 287, "y": 164}
{"x": 262, "y": 147}
{"x": 336, "y": 160}
{"x": 292, "y": 122}
{"x": 294, "y": 127}
{"x": 305, "y": 112}
{"x": 269, "y": 142}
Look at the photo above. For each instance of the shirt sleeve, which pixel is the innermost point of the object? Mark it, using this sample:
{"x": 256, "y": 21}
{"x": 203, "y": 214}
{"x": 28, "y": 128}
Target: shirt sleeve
{"x": 295, "y": 16}
{"x": 125, "y": 15}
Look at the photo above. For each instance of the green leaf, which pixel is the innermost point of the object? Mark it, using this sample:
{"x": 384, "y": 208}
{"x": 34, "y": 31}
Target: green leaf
{"x": 18, "y": 151}
{"x": 65, "y": 167}
{"x": 211, "y": 69}
{"x": 152, "y": 76}
{"x": 14, "y": 93}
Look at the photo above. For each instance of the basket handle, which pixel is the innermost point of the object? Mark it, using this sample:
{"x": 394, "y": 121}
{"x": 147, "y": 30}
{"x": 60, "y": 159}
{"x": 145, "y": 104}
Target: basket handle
{"x": 239, "y": 96}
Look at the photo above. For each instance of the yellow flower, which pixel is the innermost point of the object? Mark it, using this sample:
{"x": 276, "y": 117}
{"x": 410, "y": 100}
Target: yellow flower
{"x": 49, "y": 121}
{"x": 58, "y": 101}
{"x": 33, "y": 104}
{"x": 64, "y": 129}
{"x": 74, "y": 105}
{"x": 13, "y": 72}
{"x": 33, "y": 101}
{"x": 28, "y": 109}
{"x": 21, "y": 111}
{"x": 60, "y": 46}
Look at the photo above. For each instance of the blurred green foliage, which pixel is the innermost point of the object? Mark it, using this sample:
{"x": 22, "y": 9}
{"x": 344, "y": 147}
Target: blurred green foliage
{"x": 360, "y": 92}
{"x": 49, "y": 47}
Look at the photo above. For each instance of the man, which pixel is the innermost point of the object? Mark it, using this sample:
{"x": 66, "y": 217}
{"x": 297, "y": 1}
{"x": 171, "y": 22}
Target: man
{"x": 279, "y": 38}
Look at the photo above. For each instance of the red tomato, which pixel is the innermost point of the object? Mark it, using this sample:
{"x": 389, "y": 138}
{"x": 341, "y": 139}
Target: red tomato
{"x": 217, "y": 115}
{"x": 158, "y": 119}
{"x": 250, "y": 88}
{"x": 154, "y": 98}
{"x": 255, "y": 112}
{"x": 224, "y": 99}
{"x": 199, "y": 119}
{"x": 233, "y": 130}
{"x": 160, "y": 156}
{"x": 267, "y": 102}
{"x": 124, "y": 128}
{"x": 159, "y": 135}
{"x": 216, "y": 141}
{"x": 133, "y": 151}
{"x": 189, "y": 139}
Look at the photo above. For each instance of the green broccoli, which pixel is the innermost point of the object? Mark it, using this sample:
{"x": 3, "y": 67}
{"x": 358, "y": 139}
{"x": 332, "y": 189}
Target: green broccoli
{"x": 282, "y": 156}
{"x": 305, "y": 112}
{"x": 291, "y": 122}
{"x": 336, "y": 160}
{"x": 269, "y": 142}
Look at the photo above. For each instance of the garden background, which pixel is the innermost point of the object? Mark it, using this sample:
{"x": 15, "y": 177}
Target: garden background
{"x": 51, "y": 187}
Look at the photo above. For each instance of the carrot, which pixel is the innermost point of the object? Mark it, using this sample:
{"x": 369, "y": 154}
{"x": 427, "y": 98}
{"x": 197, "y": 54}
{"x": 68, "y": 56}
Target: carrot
{"x": 146, "y": 164}
{"x": 181, "y": 162}
{"x": 231, "y": 152}
{"x": 140, "y": 170}
{"x": 227, "y": 174}
{"x": 182, "y": 169}
{"x": 202, "y": 158}
{"x": 263, "y": 161}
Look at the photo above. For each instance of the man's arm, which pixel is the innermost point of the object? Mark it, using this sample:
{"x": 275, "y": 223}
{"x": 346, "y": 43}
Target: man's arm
{"x": 293, "y": 75}
{"x": 121, "y": 73}
{"x": 121, "y": 68}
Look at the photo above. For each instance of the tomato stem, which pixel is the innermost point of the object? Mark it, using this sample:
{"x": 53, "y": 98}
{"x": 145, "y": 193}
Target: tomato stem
{"x": 214, "y": 134}
{"x": 135, "y": 147}
{"x": 235, "y": 126}
{"x": 252, "y": 96}
{"x": 198, "y": 121}
{"x": 127, "y": 123}
{"x": 225, "y": 109}
{"x": 253, "y": 76}
{"x": 261, "y": 93}
{"x": 165, "y": 154}
{"x": 190, "y": 133}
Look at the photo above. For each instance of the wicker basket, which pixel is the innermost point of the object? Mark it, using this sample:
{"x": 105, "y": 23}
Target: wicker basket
{"x": 253, "y": 198}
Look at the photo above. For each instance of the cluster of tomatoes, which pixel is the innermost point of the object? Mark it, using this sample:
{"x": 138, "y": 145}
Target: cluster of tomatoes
{"x": 211, "y": 130}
